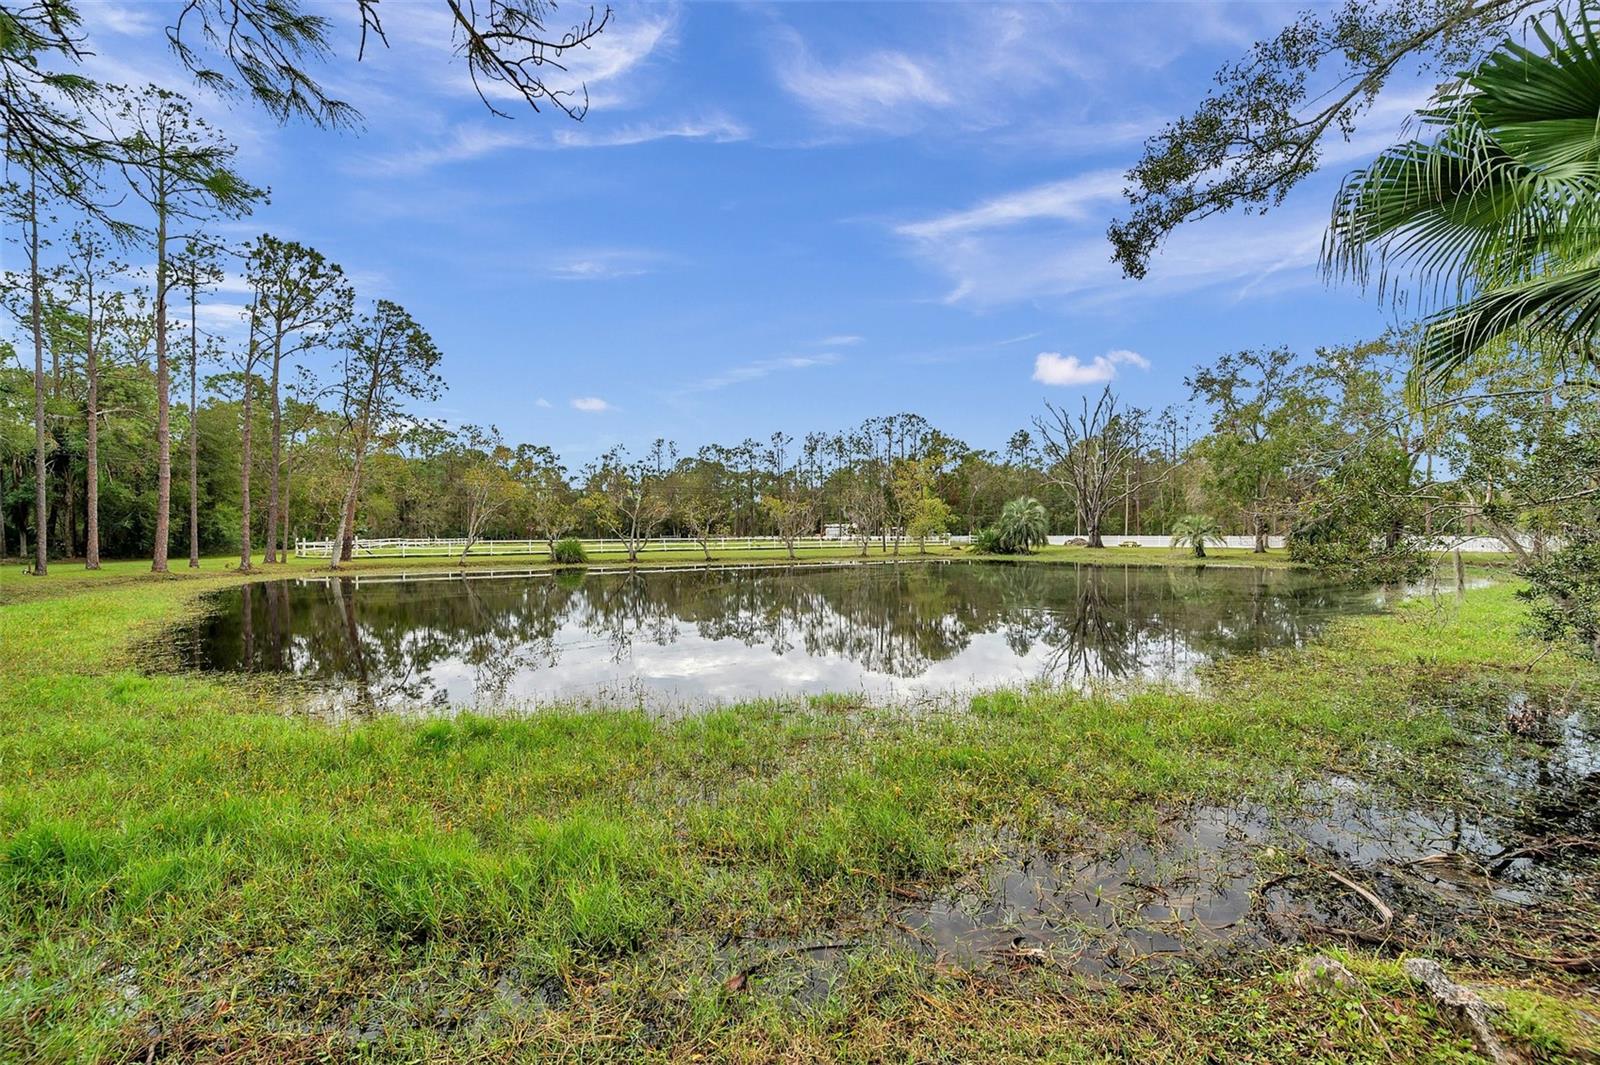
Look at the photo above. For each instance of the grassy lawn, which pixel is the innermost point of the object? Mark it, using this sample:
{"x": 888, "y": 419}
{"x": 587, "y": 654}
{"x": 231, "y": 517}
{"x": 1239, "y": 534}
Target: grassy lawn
{"x": 185, "y": 875}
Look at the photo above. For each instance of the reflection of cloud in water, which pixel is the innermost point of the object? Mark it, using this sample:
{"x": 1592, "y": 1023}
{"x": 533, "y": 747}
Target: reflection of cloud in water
{"x": 678, "y": 639}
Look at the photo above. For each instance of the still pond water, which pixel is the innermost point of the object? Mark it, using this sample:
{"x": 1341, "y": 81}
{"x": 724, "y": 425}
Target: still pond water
{"x": 672, "y": 640}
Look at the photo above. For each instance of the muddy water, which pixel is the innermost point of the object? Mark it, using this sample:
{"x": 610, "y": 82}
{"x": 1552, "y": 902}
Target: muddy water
{"x": 1224, "y": 877}
{"x": 1220, "y": 880}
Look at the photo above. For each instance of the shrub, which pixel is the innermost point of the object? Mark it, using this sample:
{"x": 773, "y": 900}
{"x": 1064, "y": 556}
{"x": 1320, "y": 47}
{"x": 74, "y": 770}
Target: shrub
{"x": 1194, "y": 531}
{"x": 1023, "y": 525}
{"x": 569, "y": 552}
{"x": 988, "y": 541}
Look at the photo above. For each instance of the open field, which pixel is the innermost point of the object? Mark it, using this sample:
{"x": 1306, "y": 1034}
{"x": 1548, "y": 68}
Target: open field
{"x": 185, "y": 875}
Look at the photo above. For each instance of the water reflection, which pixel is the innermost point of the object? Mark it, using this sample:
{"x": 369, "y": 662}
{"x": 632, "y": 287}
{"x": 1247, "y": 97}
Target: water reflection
{"x": 665, "y": 639}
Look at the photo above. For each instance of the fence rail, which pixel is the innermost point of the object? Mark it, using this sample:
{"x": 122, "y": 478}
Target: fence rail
{"x": 440, "y": 547}
{"x": 437, "y": 547}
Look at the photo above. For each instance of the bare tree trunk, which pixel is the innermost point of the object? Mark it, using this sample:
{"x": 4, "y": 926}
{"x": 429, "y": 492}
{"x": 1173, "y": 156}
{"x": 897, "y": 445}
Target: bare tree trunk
{"x": 277, "y": 453}
{"x": 158, "y": 556}
{"x": 344, "y": 543}
{"x": 194, "y": 422}
{"x": 244, "y": 475}
{"x": 41, "y": 500}
{"x": 284, "y": 516}
{"x": 91, "y": 442}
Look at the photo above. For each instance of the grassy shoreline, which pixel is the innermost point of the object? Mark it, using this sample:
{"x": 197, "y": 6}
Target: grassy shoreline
{"x": 69, "y": 575}
{"x": 184, "y": 872}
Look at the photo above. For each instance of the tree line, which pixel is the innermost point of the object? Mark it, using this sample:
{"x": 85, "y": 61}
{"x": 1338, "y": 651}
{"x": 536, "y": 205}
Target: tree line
{"x": 306, "y": 422}
{"x": 1478, "y": 419}
{"x": 93, "y": 170}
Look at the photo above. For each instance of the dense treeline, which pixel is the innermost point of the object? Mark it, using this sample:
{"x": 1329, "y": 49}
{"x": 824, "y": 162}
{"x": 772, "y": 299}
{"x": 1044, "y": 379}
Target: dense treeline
{"x": 1327, "y": 447}
{"x": 131, "y": 422}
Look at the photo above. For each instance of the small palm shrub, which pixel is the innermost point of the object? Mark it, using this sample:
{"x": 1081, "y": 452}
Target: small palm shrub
{"x": 1194, "y": 531}
{"x": 1023, "y": 525}
{"x": 569, "y": 552}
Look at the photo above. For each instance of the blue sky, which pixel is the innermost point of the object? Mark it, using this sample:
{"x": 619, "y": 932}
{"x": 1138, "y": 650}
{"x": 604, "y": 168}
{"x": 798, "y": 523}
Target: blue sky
{"x": 788, "y": 217}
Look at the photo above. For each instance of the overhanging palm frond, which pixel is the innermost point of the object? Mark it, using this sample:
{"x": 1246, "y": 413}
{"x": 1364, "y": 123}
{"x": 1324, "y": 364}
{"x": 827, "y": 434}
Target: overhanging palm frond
{"x": 1497, "y": 219}
{"x": 1559, "y": 312}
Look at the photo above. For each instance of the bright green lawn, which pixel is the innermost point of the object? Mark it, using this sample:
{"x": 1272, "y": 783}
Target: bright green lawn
{"x": 184, "y": 873}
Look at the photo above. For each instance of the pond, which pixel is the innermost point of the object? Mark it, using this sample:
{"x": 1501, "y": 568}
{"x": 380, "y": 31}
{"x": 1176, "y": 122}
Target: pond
{"x": 675, "y": 639}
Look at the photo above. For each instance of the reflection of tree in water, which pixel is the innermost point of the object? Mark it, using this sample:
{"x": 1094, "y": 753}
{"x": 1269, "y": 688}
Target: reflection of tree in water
{"x": 388, "y": 642}
{"x": 623, "y": 608}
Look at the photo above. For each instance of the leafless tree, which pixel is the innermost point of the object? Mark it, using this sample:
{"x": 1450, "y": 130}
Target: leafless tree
{"x": 1093, "y": 455}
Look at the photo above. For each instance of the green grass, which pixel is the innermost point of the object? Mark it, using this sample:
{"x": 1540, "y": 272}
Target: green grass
{"x": 185, "y": 872}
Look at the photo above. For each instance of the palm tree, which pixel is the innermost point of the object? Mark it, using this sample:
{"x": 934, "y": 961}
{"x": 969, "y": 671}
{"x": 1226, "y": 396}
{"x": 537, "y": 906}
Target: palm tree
{"x": 1498, "y": 214}
{"x": 1023, "y": 525}
{"x": 1194, "y": 530}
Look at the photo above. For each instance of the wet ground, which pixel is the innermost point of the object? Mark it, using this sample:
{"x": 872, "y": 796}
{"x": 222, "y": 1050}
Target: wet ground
{"x": 1351, "y": 863}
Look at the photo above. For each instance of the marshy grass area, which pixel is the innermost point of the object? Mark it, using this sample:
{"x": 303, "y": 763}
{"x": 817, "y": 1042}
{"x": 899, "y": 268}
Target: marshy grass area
{"x": 186, "y": 873}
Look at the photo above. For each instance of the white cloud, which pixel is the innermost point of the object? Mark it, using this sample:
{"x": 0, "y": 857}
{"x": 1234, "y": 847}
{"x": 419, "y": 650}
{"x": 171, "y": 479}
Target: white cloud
{"x": 542, "y": 402}
{"x": 757, "y": 369}
{"x": 424, "y": 41}
{"x": 1053, "y": 368}
{"x": 869, "y": 90}
{"x": 465, "y": 144}
{"x": 718, "y": 129}
{"x": 840, "y": 341}
{"x": 591, "y": 405}
{"x": 603, "y": 265}
{"x": 1064, "y": 200}
{"x": 119, "y": 18}
{"x": 1060, "y": 260}
{"x": 1028, "y": 72}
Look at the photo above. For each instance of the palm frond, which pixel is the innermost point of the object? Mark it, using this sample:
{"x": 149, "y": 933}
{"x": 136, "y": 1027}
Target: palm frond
{"x": 1496, "y": 220}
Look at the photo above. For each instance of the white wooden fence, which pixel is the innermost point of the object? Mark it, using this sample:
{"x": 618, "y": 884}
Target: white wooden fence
{"x": 435, "y": 547}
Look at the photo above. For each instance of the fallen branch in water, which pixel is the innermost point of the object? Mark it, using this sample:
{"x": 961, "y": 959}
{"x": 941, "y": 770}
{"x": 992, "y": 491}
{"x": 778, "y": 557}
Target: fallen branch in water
{"x": 1384, "y": 912}
{"x": 1564, "y": 843}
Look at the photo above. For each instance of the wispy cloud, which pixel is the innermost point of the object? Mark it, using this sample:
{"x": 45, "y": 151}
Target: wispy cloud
{"x": 591, "y": 404}
{"x": 603, "y": 265}
{"x": 1067, "y": 200}
{"x": 121, "y": 18}
{"x": 542, "y": 403}
{"x": 1054, "y": 368}
{"x": 966, "y": 352}
{"x": 1030, "y": 248}
{"x": 718, "y": 129}
{"x": 874, "y": 90}
{"x": 843, "y": 340}
{"x": 756, "y": 369}
{"x": 464, "y": 144}
{"x": 424, "y": 40}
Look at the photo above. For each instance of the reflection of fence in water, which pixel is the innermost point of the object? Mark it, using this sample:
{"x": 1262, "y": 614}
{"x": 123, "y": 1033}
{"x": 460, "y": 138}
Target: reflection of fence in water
{"x": 398, "y": 547}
